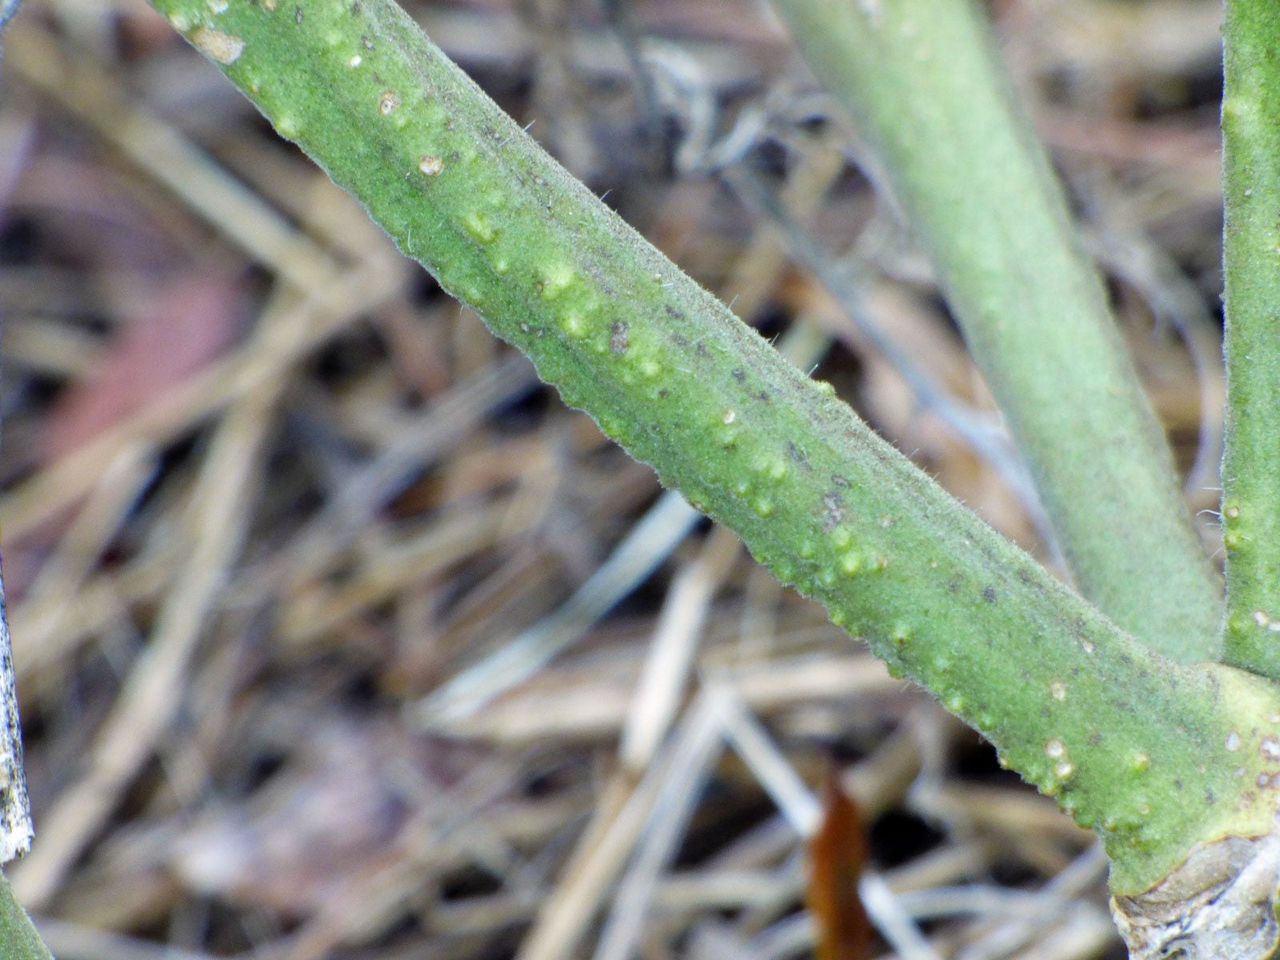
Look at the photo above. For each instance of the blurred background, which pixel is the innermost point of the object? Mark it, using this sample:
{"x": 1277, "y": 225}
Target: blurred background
{"x": 339, "y": 635}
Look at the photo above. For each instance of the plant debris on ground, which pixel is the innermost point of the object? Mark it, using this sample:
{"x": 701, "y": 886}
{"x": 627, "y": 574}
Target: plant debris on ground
{"x": 339, "y": 635}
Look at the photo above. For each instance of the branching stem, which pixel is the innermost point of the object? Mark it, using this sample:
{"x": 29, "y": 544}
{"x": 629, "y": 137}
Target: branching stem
{"x": 1139, "y": 747}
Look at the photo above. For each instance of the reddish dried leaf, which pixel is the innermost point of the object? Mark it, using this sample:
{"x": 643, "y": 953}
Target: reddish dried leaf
{"x": 837, "y": 854}
{"x": 184, "y": 326}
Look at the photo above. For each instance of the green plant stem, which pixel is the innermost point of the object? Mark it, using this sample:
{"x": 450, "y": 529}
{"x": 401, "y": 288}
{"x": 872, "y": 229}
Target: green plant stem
{"x": 926, "y": 88}
{"x": 18, "y": 937}
{"x": 1128, "y": 742}
{"x": 1251, "y": 464}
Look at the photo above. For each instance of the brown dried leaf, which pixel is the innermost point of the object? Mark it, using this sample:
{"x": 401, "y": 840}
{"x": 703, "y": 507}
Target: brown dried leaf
{"x": 837, "y": 855}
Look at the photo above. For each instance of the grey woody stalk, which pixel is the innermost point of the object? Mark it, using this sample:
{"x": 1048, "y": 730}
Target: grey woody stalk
{"x": 18, "y": 938}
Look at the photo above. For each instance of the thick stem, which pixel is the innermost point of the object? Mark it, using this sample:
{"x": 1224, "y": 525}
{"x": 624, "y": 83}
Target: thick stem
{"x": 926, "y": 88}
{"x": 1141, "y": 748}
{"x": 1251, "y": 465}
{"x": 18, "y": 937}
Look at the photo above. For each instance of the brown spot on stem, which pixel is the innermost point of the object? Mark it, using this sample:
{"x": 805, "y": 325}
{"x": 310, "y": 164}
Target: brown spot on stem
{"x": 216, "y": 45}
{"x": 620, "y": 338}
